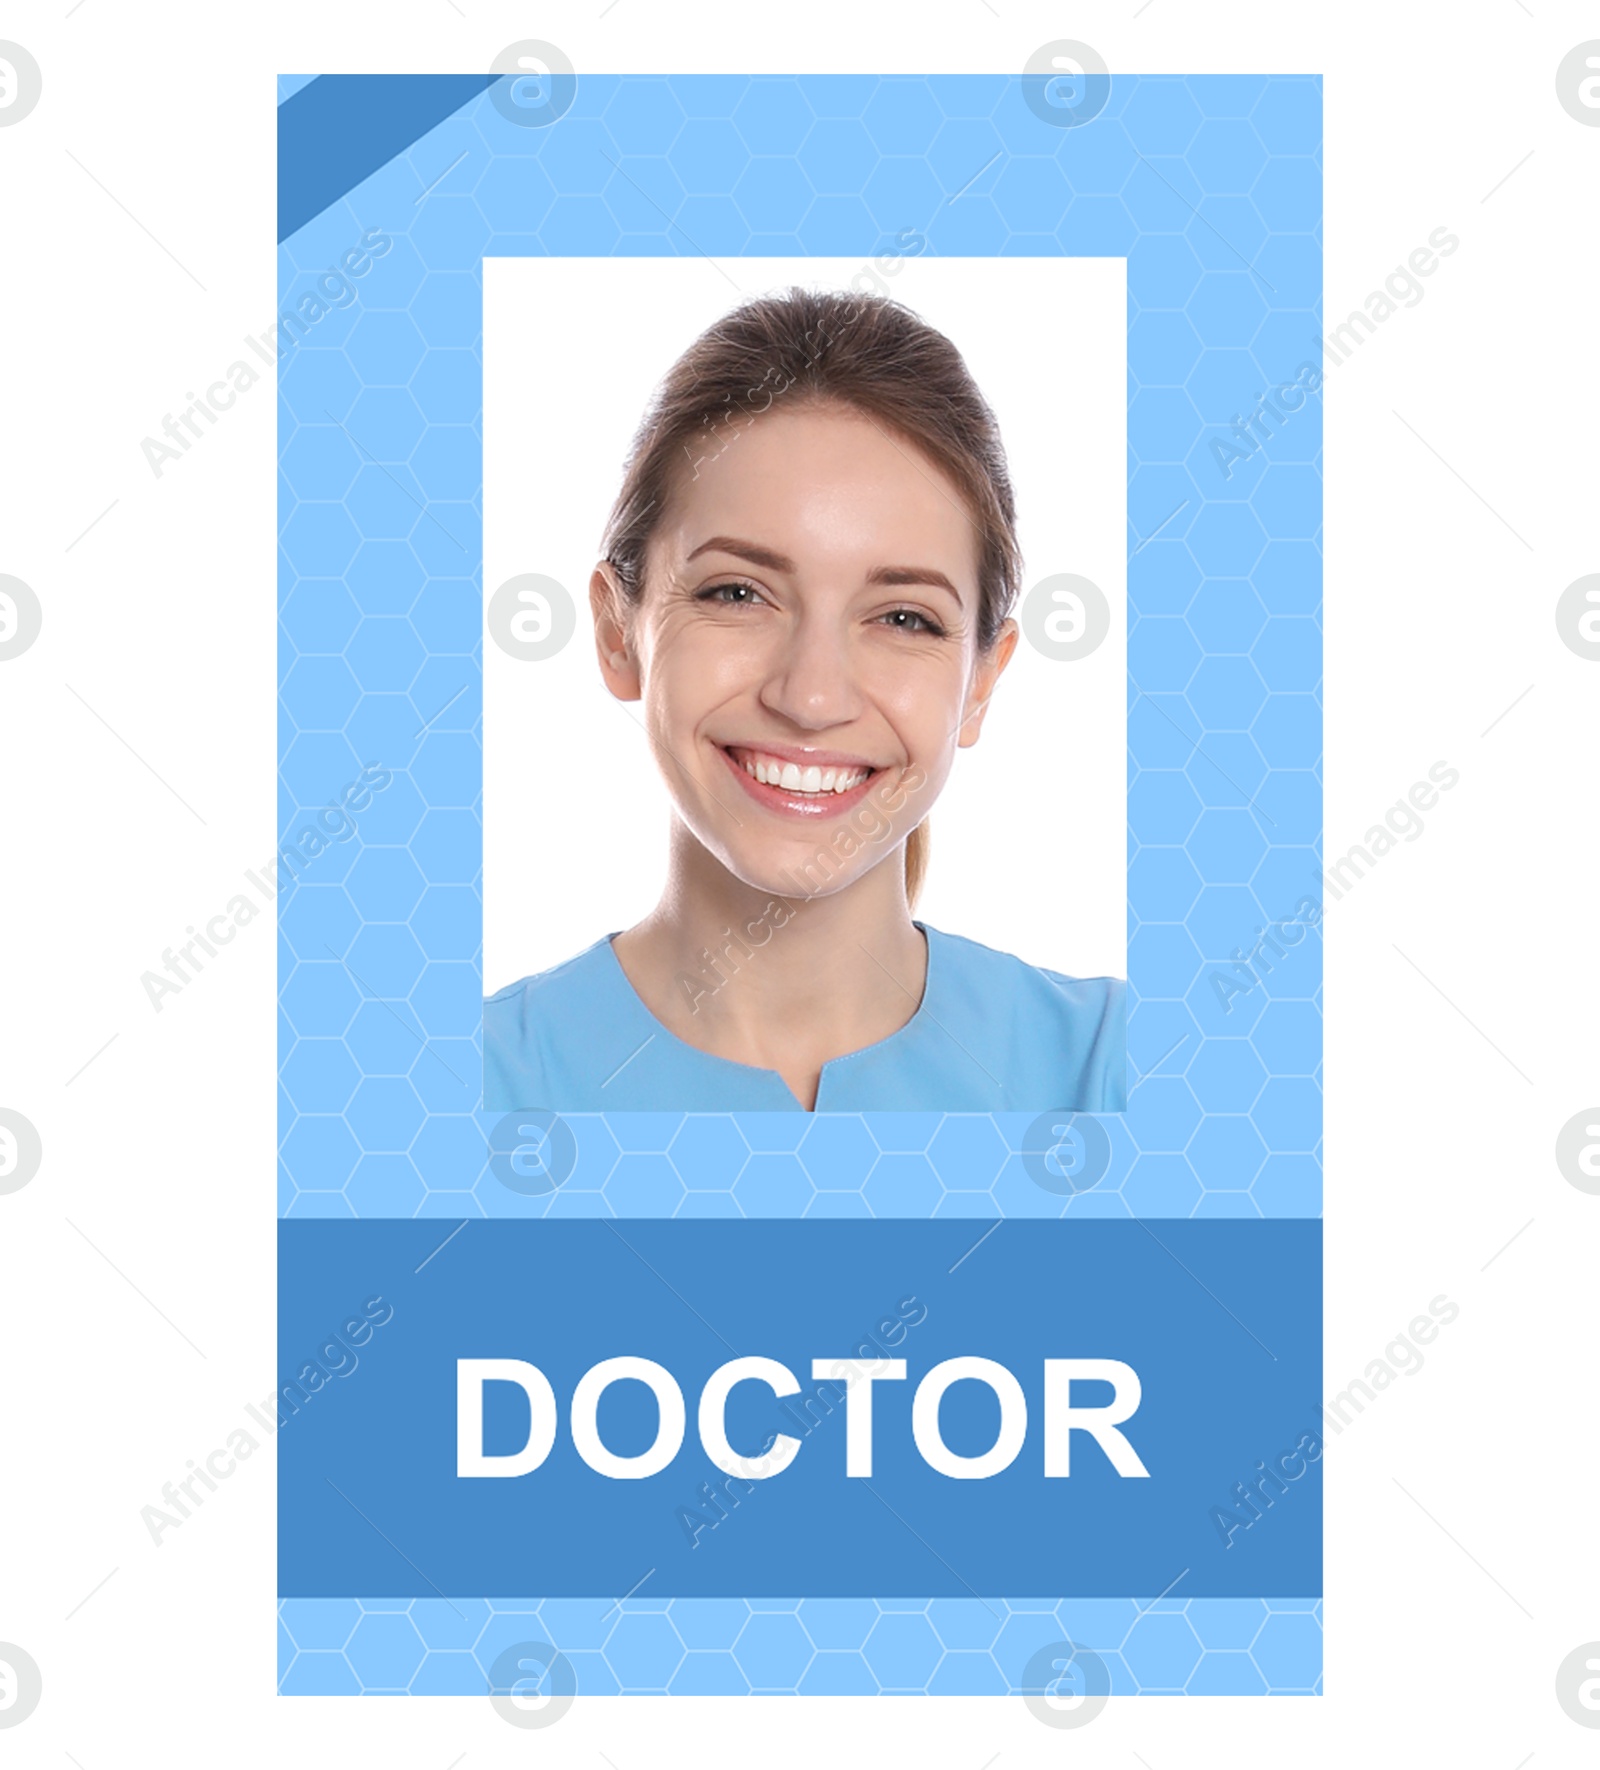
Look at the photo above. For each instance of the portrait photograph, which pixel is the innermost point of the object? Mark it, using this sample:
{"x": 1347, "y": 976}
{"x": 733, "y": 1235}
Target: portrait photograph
{"x": 804, "y": 737}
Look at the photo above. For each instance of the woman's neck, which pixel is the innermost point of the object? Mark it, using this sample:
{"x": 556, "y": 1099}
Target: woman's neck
{"x": 782, "y": 983}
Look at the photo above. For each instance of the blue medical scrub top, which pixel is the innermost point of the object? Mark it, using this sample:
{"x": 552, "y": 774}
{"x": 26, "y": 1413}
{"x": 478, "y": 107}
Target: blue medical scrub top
{"x": 992, "y": 1034}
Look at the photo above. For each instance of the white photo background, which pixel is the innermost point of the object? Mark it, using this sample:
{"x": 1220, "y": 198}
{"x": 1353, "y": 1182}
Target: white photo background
{"x": 1028, "y": 848}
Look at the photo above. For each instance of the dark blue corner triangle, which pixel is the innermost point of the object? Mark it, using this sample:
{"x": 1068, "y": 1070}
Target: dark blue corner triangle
{"x": 342, "y": 127}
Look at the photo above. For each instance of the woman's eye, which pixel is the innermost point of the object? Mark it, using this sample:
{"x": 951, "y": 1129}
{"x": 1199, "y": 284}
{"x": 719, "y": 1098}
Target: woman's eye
{"x": 733, "y": 595}
{"x": 911, "y": 620}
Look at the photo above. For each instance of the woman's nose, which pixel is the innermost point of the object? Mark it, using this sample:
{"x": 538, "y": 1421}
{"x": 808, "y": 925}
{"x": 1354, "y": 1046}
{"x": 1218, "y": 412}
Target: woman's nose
{"x": 812, "y": 679}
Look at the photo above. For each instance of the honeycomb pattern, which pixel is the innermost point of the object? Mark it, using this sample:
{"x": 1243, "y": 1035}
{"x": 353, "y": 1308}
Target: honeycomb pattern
{"x": 806, "y": 1647}
{"x": 769, "y": 1165}
{"x": 1210, "y": 187}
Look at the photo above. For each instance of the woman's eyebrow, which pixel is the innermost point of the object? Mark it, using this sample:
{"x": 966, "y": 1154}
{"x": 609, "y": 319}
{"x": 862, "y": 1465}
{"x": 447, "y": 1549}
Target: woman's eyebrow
{"x": 757, "y": 555}
{"x": 898, "y": 575}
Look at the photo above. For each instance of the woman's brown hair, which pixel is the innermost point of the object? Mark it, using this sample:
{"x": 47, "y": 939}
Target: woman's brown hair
{"x": 865, "y": 352}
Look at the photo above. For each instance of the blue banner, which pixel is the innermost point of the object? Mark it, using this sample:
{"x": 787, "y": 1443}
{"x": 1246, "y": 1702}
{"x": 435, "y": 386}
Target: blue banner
{"x": 1122, "y": 1391}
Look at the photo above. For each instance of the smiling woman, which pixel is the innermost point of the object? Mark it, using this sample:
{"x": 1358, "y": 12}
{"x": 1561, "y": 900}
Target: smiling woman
{"x": 807, "y": 583}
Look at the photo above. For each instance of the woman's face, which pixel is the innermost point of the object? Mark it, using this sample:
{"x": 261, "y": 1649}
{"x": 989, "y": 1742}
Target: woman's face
{"x": 806, "y": 646}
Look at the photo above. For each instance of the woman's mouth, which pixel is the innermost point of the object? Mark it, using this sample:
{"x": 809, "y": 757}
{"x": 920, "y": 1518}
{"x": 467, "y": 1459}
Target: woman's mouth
{"x": 800, "y": 788}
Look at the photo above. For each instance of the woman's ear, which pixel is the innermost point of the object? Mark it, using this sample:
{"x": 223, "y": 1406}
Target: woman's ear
{"x": 612, "y": 644}
{"x": 984, "y": 680}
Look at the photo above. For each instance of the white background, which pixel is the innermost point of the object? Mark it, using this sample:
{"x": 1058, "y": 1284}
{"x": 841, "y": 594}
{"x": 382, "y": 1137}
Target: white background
{"x": 575, "y": 811}
{"x": 161, "y": 618}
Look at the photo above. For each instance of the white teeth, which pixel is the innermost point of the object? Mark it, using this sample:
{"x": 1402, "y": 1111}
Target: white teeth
{"x": 791, "y": 778}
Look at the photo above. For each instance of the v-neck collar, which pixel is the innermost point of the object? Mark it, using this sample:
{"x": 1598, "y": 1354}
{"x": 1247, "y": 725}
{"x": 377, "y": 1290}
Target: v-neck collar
{"x": 657, "y": 1029}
